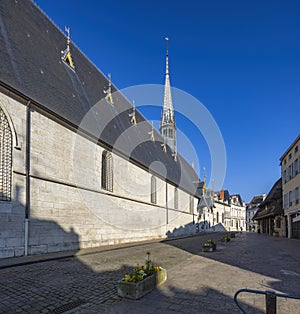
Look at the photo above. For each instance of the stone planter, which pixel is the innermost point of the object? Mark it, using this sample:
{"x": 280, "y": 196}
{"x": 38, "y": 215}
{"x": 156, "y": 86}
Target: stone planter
{"x": 209, "y": 248}
{"x": 225, "y": 239}
{"x": 137, "y": 290}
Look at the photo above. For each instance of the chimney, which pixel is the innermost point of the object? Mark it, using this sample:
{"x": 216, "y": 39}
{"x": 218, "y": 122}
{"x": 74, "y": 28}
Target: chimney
{"x": 222, "y": 194}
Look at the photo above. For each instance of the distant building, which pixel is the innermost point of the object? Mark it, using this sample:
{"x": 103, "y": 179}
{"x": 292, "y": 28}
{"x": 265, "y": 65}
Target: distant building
{"x": 221, "y": 211}
{"x": 238, "y": 213}
{"x": 222, "y": 203}
{"x": 290, "y": 169}
{"x": 270, "y": 215}
{"x": 251, "y": 209}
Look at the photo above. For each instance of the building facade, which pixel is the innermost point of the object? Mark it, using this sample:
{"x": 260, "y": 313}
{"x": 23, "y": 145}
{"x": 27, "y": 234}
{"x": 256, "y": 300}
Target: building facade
{"x": 269, "y": 215}
{"x": 251, "y": 209}
{"x": 220, "y": 211}
{"x": 290, "y": 172}
{"x": 79, "y": 166}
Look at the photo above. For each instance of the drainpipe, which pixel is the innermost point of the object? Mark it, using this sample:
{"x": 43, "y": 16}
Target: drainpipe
{"x": 167, "y": 214}
{"x": 27, "y": 173}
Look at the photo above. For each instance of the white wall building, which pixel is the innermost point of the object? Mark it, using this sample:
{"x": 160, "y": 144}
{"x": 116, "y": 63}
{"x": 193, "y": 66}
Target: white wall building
{"x": 290, "y": 172}
{"x": 251, "y": 209}
{"x": 79, "y": 166}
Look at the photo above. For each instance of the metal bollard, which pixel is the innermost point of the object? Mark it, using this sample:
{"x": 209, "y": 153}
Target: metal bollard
{"x": 270, "y": 302}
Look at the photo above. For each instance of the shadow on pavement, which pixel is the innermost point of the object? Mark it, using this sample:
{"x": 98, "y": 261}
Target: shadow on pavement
{"x": 173, "y": 300}
{"x": 277, "y": 258}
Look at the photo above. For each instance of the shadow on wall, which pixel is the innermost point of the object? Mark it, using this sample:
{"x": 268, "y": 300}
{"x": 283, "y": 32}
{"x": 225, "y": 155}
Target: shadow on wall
{"x": 44, "y": 236}
{"x": 194, "y": 228}
{"x": 187, "y": 229}
{"x": 47, "y": 236}
{"x": 219, "y": 228}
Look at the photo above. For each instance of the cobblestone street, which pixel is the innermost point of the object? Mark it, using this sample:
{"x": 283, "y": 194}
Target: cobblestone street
{"x": 197, "y": 282}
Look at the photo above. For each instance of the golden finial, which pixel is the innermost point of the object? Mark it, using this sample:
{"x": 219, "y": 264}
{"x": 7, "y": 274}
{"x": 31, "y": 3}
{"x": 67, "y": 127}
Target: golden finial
{"x": 133, "y": 119}
{"x": 204, "y": 182}
{"x": 152, "y": 133}
{"x": 66, "y": 54}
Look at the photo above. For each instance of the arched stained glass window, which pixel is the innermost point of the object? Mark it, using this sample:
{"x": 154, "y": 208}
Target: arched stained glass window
{"x": 175, "y": 198}
{"x": 107, "y": 171}
{"x": 153, "y": 190}
{"x": 5, "y": 158}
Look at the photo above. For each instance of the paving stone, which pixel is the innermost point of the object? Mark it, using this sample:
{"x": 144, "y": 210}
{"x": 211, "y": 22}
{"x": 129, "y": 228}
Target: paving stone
{"x": 197, "y": 282}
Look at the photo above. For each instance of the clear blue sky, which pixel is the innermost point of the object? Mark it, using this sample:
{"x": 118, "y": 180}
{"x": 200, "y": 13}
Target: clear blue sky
{"x": 241, "y": 59}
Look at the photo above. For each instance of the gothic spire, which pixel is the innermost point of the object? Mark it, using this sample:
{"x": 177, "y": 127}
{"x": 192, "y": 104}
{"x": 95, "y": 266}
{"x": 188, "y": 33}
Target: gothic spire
{"x": 168, "y": 110}
{"x": 167, "y": 123}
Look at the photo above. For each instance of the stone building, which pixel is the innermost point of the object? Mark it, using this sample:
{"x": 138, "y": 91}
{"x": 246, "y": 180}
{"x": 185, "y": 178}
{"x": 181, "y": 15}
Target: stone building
{"x": 251, "y": 209}
{"x": 79, "y": 166}
{"x": 269, "y": 215}
{"x": 220, "y": 211}
{"x": 290, "y": 172}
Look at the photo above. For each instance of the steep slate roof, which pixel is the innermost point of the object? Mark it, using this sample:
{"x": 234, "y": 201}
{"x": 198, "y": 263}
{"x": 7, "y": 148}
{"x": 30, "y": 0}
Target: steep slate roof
{"x": 239, "y": 198}
{"x": 256, "y": 200}
{"x": 272, "y": 205}
{"x": 30, "y": 60}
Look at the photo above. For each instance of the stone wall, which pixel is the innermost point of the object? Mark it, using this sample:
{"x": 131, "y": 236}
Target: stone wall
{"x": 68, "y": 207}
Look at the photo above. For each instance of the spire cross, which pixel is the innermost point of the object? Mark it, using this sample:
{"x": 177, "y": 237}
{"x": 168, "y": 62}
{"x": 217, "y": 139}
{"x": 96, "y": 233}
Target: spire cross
{"x": 167, "y": 45}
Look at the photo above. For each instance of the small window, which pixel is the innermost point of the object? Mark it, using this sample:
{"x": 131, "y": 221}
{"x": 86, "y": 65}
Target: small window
{"x": 290, "y": 198}
{"x": 290, "y": 156}
{"x": 297, "y": 195}
{"x": 217, "y": 217}
{"x": 285, "y": 200}
{"x": 153, "y": 190}
{"x": 284, "y": 176}
{"x": 296, "y": 149}
{"x": 107, "y": 171}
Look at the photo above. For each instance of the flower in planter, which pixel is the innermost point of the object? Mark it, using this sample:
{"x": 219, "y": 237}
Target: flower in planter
{"x": 141, "y": 272}
{"x": 225, "y": 239}
{"x": 209, "y": 242}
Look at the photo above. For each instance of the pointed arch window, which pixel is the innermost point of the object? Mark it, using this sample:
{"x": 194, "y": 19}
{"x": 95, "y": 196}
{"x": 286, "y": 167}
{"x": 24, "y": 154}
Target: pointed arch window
{"x": 153, "y": 190}
{"x": 175, "y": 198}
{"x": 107, "y": 171}
{"x": 5, "y": 158}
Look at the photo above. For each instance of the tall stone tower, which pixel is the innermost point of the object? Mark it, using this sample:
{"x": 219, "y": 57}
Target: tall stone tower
{"x": 167, "y": 123}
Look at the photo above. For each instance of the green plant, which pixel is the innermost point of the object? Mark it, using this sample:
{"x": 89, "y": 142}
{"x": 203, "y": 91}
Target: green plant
{"x": 141, "y": 272}
{"x": 226, "y": 238}
{"x": 209, "y": 242}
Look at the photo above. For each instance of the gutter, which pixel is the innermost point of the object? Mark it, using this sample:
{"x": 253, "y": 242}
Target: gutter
{"x": 27, "y": 174}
